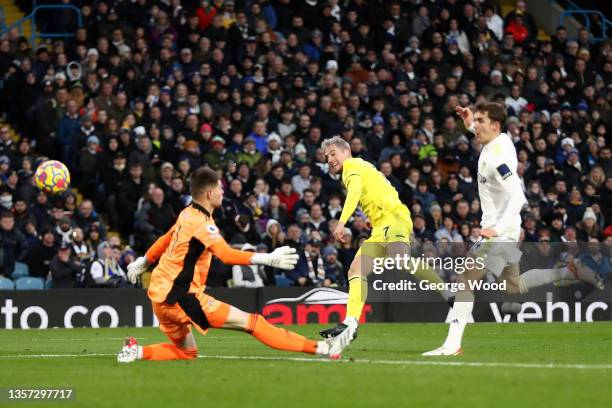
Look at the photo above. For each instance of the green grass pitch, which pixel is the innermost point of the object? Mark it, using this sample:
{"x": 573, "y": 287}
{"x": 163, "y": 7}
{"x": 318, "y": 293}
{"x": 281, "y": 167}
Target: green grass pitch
{"x": 535, "y": 364}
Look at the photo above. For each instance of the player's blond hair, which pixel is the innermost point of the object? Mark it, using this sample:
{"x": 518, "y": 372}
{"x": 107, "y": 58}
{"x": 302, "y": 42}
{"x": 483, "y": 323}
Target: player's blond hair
{"x": 336, "y": 141}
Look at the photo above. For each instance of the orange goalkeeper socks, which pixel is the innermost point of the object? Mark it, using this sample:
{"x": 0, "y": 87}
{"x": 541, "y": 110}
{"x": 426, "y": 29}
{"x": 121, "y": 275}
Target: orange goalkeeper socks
{"x": 167, "y": 351}
{"x": 277, "y": 338}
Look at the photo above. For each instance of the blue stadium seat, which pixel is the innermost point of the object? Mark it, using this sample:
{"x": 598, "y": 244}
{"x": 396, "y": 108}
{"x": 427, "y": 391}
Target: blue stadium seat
{"x": 6, "y": 284}
{"x": 29, "y": 283}
{"x": 282, "y": 281}
{"x": 21, "y": 271}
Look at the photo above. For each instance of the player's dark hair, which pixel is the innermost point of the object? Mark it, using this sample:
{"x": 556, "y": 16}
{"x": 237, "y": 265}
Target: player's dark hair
{"x": 497, "y": 113}
{"x": 201, "y": 180}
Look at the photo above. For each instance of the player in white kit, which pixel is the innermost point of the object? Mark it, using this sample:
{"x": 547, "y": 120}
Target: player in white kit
{"x": 502, "y": 200}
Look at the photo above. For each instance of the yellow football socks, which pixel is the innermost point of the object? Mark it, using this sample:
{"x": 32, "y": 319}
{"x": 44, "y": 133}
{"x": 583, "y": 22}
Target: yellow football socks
{"x": 358, "y": 293}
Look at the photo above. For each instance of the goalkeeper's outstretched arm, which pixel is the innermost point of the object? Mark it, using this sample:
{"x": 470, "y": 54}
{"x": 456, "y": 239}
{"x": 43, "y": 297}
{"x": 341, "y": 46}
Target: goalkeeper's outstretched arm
{"x": 283, "y": 257}
{"x": 159, "y": 247}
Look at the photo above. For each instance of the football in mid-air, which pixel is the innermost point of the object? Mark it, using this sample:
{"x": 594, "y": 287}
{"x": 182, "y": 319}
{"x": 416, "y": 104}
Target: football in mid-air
{"x": 52, "y": 177}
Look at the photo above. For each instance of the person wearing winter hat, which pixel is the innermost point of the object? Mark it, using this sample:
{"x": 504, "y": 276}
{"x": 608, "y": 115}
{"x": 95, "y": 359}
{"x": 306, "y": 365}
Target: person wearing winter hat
{"x": 588, "y": 227}
{"x": 274, "y": 234}
{"x": 275, "y": 147}
{"x": 105, "y": 271}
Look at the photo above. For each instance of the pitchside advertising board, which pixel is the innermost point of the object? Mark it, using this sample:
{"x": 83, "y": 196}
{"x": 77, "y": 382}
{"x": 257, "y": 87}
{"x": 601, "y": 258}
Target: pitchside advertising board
{"x": 129, "y": 307}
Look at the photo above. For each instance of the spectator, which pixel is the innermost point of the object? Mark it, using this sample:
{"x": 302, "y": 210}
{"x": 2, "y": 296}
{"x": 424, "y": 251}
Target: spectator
{"x": 42, "y": 253}
{"x": 249, "y": 153}
{"x": 275, "y": 210}
{"x": 127, "y": 199}
{"x": 494, "y": 21}
{"x": 13, "y": 245}
{"x": 587, "y": 228}
{"x": 596, "y": 259}
{"x": 317, "y": 221}
{"x": 243, "y": 224}
{"x": 421, "y": 233}
{"x": 22, "y": 215}
{"x": 288, "y": 198}
{"x": 219, "y": 156}
{"x": 81, "y": 250}
{"x": 424, "y": 196}
{"x": 105, "y": 270}
{"x": 301, "y": 181}
{"x": 88, "y": 163}
{"x": 86, "y": 217}
{"x": 64, "y": 270}
{"x": 275, "y": 237}
{"x": 448, "y": 231}
{"x": 334, "y": 270}
{"x": 248, "y": 276}
{"x": 521, "y": 23}
{"x": 154, "y": 218}
{"x": 67, "y": 127}
{"x": 314, "y": 274}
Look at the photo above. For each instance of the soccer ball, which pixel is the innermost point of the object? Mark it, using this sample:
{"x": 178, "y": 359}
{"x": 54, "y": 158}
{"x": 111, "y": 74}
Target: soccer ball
{"x": 52, "y": 177}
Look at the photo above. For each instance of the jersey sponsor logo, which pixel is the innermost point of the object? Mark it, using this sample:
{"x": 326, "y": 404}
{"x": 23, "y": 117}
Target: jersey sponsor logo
{"x": 482, "y": 178}
{"x": 504, "y": 171}
{"x": 212, "y": 229}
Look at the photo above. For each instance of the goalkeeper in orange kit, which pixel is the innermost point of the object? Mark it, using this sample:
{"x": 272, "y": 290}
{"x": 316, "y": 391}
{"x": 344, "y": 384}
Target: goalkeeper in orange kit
{"x": 178, "y": 281}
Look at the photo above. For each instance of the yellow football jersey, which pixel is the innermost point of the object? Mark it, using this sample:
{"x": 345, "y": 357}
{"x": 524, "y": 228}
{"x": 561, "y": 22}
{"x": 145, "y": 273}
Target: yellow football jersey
{"x": 370, "y": 188}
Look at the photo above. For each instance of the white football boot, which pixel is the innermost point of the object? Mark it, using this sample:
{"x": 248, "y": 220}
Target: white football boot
{"x": 129, "y": 352}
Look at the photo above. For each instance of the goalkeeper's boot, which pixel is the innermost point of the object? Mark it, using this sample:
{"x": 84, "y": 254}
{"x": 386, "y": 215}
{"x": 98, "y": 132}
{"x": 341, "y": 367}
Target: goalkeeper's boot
{"x": 129, "y": 352}
{"x": 443, "y": 351}
{"x": 342, "y": 340}
{"x": 336, "y": 330}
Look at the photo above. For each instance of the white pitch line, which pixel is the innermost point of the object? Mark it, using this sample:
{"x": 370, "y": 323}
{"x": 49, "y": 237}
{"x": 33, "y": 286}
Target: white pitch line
{"x": 420, "y": 362}
{"x": 56, "y": 355}
{"x": 108, "y": 338}
{"x": 358, "y": 361}
{"x": 87, "y": 339}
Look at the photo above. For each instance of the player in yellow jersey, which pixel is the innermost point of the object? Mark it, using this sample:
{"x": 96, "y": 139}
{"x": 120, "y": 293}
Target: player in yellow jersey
{"x": 391, "y": 230}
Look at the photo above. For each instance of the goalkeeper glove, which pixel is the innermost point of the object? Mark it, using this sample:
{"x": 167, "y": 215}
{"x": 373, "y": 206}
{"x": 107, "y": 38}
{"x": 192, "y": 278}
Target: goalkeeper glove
{"x": 136, "y": 268}
{"x": 283, "y": 258}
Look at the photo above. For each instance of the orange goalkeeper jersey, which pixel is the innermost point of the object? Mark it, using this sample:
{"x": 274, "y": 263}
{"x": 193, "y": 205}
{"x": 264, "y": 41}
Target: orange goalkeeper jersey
{"x": 184, "y": 254}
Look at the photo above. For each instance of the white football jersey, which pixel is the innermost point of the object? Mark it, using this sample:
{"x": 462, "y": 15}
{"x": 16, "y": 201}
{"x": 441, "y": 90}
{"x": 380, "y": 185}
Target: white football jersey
{"x": 499, "y": 187}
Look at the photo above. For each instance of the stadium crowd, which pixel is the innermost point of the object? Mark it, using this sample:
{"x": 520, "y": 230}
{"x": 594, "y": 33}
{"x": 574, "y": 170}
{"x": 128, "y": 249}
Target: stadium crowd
{"x": 147, "y": 91}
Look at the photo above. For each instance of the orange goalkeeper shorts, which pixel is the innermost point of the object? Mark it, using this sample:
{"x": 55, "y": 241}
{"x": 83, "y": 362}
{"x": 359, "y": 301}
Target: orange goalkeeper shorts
{"x": 202, "y": 311}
